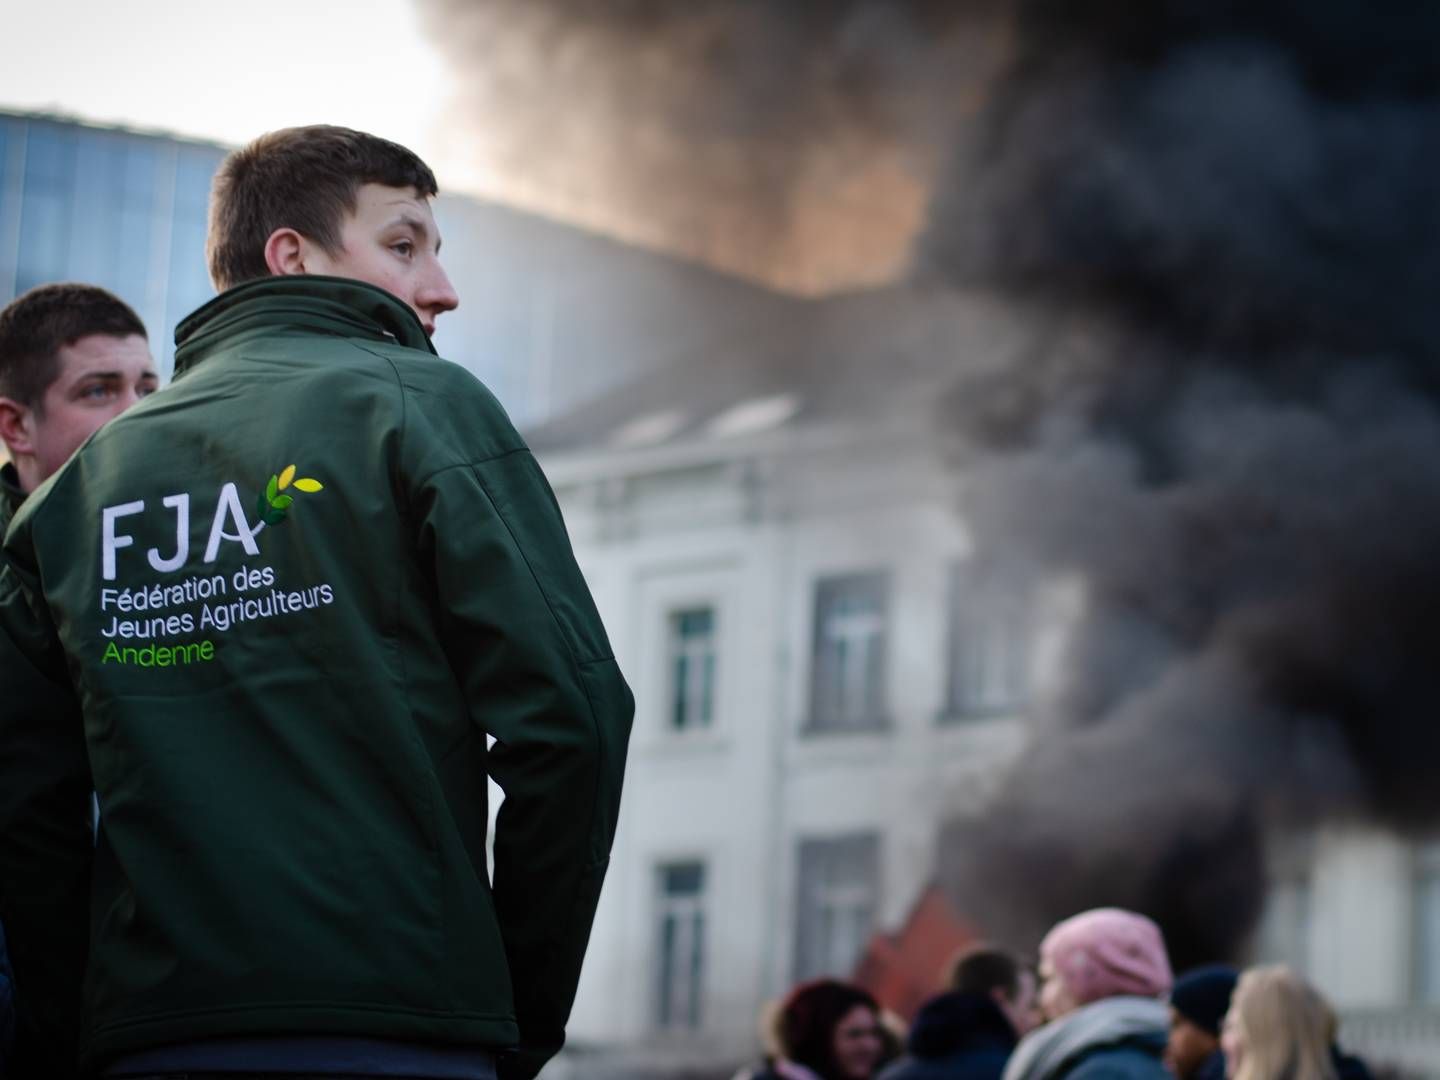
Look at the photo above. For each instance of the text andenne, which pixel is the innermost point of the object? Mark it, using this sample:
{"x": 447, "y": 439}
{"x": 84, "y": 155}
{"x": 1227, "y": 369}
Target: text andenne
{"x": 200, "y": 602}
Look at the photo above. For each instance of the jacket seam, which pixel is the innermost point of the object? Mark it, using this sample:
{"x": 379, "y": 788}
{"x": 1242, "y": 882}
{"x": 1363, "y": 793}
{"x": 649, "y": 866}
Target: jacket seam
{"x": 405, "y": 685}
{"x": 404, "y": 415}
{"x": 474, "y": 463}
{"x": 596, "y": 737}
{"x": 520, "y": 550}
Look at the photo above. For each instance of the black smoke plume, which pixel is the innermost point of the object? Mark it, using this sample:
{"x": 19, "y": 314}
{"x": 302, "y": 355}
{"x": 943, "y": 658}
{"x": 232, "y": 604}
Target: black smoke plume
{"x": 1223, "y": 214}
{"x": 1225, "y": 441}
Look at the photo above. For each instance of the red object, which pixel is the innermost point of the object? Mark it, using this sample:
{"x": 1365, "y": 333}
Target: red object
{"x": 905, "y": 969}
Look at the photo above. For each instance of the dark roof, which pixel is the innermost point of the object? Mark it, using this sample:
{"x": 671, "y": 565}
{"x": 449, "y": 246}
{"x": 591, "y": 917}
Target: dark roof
{"x": 56, "y": 116}
{"x": 888, "y": 353}
{"x": 554, "y": 316}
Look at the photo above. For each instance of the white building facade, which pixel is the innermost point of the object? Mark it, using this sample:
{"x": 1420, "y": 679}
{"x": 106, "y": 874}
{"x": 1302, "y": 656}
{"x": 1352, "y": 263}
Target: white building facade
{"x": 821, "y": 683}
{"x": 778, "y": 602}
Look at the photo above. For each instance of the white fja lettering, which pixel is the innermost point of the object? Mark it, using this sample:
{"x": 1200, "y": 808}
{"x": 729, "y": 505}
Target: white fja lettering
{"x": 229, "y": 505}
{"x": 181, "y": 505}
{"x": 110, "y": 541}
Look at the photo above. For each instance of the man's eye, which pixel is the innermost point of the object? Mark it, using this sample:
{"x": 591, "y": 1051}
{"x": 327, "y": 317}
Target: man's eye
{"x": 98, "y": 392}
{"x": 145, "y": 390}
{"x": 404, "y": 248}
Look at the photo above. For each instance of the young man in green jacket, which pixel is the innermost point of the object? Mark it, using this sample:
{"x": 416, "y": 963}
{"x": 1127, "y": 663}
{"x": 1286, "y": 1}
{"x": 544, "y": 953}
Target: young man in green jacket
{"x": 295, "y": 592}
{"x": 72, "y": 357}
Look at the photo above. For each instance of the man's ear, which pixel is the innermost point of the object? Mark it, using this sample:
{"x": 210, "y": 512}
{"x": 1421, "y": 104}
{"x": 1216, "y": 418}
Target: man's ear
{"x": 285, "y": 252}
{"x": 15, "y": 427}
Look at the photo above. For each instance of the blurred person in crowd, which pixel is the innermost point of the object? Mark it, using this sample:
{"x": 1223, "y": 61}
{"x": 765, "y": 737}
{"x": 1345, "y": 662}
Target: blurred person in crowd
{"x": 1103, "y": 974}
{"x": 1198, "y": 1003}
{"x": 768, "y": 1028}
{"x": 302, "y": 589}
{"x": 969, "y": 1032}
{"x": 1347, "y": 1066}
{"x": 1002, "y": 976}
{"x": 72, "y": 357}
{"x": 1278, "y": 1027}
{"x": 825, "y": 1030}
{"x": 893, "y": 1032}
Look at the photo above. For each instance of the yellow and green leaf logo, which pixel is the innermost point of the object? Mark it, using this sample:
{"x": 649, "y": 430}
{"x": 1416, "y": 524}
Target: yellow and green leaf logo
{"x": 273, "y": 503}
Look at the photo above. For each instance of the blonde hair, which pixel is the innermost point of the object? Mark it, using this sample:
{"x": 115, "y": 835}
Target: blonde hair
{"x": 1286, "y": 1025}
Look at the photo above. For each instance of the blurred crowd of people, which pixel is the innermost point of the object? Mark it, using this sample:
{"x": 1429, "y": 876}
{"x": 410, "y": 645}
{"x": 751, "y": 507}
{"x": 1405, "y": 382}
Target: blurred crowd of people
{"x": 1103, "y": 1004}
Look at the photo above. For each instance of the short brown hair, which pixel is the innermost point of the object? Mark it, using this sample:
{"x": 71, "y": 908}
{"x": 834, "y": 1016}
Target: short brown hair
{"x": 982, "y": 969}
{"x": 302, "y": 178}
{"x": 36, "y": 326}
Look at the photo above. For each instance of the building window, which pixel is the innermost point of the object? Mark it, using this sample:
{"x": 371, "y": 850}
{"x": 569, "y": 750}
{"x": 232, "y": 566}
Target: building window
{"x": 692, "y": 669}
{"x": 848, "y": 669}
{"x": 1284, "y": 933}
{"x": 1427, "y": 924}
{"x": 681, "y": 951}
{"x": 45, "y": 209}
{"x": 990, "y": 636}
{"x": 838, "y": 896}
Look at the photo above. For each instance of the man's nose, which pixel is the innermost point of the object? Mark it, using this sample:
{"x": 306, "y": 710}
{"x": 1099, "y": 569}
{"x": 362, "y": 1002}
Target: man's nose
{"x": 438, "y": 294}
{"x": 124, "y": 399}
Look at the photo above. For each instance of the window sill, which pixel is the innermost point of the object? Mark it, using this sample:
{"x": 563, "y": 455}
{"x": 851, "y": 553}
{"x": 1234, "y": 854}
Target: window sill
{"x": 975, "y": 717}
{"x": 880, "y": 725}
{"x": 686, "y": 743}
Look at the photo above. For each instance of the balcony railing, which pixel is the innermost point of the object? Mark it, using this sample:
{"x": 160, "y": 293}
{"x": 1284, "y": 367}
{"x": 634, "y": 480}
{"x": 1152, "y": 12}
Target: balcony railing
{"x": 1405, "y": 1040}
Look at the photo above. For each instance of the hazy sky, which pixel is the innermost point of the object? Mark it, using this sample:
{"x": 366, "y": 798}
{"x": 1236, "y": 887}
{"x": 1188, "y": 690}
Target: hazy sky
{"x": 227, "y": 71}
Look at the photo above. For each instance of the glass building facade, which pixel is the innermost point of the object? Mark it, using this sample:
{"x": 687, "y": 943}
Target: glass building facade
{"x": 551, "y": 317}
{"x": 109, "y": 207}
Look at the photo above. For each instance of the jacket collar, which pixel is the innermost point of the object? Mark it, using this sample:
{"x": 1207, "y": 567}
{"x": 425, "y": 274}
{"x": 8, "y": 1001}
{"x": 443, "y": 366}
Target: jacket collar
{"x": 1048, "y": 1052}
{"x": 11, "y": 495}
{"x": 309, "y": 302}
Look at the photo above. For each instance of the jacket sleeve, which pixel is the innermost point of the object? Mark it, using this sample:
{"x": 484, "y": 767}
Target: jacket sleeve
{"x": 46, "y": 835}
{"x": 529, "y": 649}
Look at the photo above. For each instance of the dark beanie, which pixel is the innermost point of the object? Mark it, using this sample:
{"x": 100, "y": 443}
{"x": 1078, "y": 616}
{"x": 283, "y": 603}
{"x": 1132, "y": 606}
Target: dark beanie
{"x": 1202, "y": 996}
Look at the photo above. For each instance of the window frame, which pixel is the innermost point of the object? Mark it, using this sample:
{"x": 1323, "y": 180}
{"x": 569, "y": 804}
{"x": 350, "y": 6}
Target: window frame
{"x": 1425, "y": 873}
{"x": 1007, "y": 616}
{"x": 690, "y": 912}
{"x": 821, "y": 718}
{"x": 816, "y": 860}
{"x": 675, "y": 653}
{"x": 1290, "y": 875}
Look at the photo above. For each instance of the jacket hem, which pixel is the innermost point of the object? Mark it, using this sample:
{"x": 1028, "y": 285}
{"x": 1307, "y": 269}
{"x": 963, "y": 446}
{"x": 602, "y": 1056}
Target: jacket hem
{"x": 489, "y": 1032}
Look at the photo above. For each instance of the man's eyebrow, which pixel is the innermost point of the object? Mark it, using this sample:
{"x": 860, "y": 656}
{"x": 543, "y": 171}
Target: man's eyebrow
{"x": 417, "y": 224}
{"x": 111, "y": 376}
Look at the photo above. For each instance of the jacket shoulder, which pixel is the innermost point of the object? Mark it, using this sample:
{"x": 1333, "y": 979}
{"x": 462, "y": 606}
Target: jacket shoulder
{"x": 450, "y": 416}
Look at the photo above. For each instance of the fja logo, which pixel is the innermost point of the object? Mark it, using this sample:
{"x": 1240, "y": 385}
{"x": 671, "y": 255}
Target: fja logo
{"x": 228, "y": 524}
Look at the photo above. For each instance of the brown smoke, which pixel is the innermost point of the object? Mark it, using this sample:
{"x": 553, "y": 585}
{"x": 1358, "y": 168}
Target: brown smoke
{"x": 792, "y": 143}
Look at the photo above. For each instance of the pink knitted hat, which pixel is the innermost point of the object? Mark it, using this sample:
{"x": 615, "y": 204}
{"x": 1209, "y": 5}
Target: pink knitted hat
{"x": 1108, "y": 952}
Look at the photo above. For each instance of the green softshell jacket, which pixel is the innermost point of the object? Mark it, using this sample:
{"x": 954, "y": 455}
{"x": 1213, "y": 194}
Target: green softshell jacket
{"x": 45, "y": 830}
{"x": 296, "y": 590}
